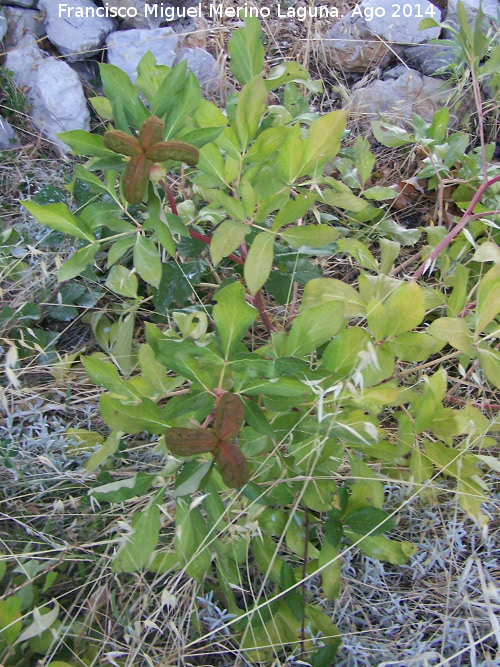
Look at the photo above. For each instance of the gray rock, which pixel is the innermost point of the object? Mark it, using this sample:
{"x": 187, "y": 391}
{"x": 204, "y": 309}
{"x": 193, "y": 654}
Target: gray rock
{"x": 203, "y": 65}
{"x": 125, "y": 48}
{"x": 22, "y": 59}
{"x": 3, "y": 25}
{"x": 21, "y": 20}
{"x": 8, "y": 136}
{"x": 53, "y": 89}
{"x": 58, "y": 102}
{"x": 428, "y": 58}
{"x": 363, "y": 39}
{"x": 23, "y": 3}
{"x": 398, "y": 98}
{"x": 76, "y": 37}
{"x": 133, "y": 13}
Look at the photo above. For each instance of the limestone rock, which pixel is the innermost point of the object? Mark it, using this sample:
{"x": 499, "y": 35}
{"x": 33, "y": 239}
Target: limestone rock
{"x": 3, "y": 25}
{"x": 23, "y": 3}
{"x": 8, "y": 136}
{"x": 74, "y": 37}
{"x": 21, "y": 20}
{"x": 428, "y": 58}
{"x": 401, "y": 93}
{"x": 53, "y": 89}
{"x": 125, "y": 48}
{"x": 22, "y": 59}
{"x": 203, "y": 65}
{"x": 134, "y": 14}
{"x": 58, "y": 102}
{"x": 362, "y": 39}
{"x": 191, "y": 32}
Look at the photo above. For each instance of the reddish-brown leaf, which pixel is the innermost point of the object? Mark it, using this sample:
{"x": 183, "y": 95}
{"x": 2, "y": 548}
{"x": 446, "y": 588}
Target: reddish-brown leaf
{"x": 232, "y": 463}
{"x": 190, "y": 441}
{"x": 121, "y": 142}
{"x": 229, "y": 417}
{"x": 135, "y": 178}
{"x": 173, "y": 150}
{"x": 151, "y": 131}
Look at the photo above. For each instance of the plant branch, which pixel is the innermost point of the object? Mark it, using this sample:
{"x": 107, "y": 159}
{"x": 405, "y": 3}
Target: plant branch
{"x": 456, "y": 229}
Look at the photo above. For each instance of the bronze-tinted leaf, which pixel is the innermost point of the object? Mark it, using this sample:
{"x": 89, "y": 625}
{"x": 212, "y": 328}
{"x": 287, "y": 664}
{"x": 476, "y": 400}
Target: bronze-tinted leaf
{"x": 229, "y": 417}
{"x": 151, "y": 131}
{"x": 173, "y": 150}
{"x": 121, "y": 142}
{"x": 232, "y": 463}
{"x": 135, "y": 178}
{"x": 190, "y": 441}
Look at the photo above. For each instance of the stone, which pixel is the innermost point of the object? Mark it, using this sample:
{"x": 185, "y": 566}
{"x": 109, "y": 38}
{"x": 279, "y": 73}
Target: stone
{"x": 429, "y": 58}
{"x": 75, "y": 37}
{"x": 3, "y": 25}
{"x": 22, "y": 59}
{"x": 58, "y": 102}
{"x": 192, "y": 33}
{"x": 133, "y": 13}
{"x": 53, "y": 89}
{"x": 401, "y": 93}
{"x": 8, "y": 136}
{"x": 204, "y": 67}
{"x": 28, "y": 4}
{"x": 21, "y": 20}
{"x": 363, "y": 39}
{"x": 125, "y": 48}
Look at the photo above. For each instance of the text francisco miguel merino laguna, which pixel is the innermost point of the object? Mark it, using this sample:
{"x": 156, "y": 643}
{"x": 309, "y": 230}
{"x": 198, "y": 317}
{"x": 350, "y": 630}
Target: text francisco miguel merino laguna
{"x": 215, "y": 11}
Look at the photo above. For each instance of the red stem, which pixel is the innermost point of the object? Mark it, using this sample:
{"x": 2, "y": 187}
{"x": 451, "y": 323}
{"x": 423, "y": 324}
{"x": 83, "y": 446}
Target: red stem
{"x": 258, "y": 300}
{"x": 457, "y": 229}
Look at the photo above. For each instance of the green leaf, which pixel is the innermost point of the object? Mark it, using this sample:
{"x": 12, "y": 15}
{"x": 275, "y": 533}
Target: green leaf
{"x": 109, "y": 447}
{"x": 379, "y": 193}
{"x": 249, "y": 110}
{"x": 212, "y": 163}
{"x": 246, "y": 51}
{"x": 323, "y": 140}
{"x": 427, "y": 23}
{"x": 490, "y": 362}
{"x": 118, "y": 249}
{"x": 105, "y": 374}
{"x": 383, "y": 549}
{"x": 123, "y": 489}
{"x": 85, "y": 143}
{"x": 390, "y": 135}
{"x": 296, "y": 538}
{"x": 453, "y": 330}
{"x": 312, "y": 236}
{"x": 60, "y": 218}
{"x": 134, "y": 554}
{"x": 232, "y": 316}
{"x": 123, "y": 97}
{"x": 293, "y": 210}
{"x": 414, "y": 346}
{"x": 458, "y": 298}
{"x": 102, "y": 106}
{"x": 314, "y": 327}
{"x": 360, "y": 253}
{"x": 147, "y": 260}
{"x": 405, "y": 309}
{"x": 122, "y": 281}
{"x": 228, "y": 237}
{"x": 291, "y": 154}
{"x": 369, "y": 520}
{"x": 331, "y": 575}
{"x": 345, "y": 200}
{"x": 10, "y": 618}
{"x": 191, "y": 478}
{"x": 144, "y": 416}
{"x": 76, "y": 264}
{"x": 488, "y": 299}
{"x": 332, "y": 291}
{"x": 259, "y": 261}
{"x": 342, "y": 355}
{"x": 191, "y": 541}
